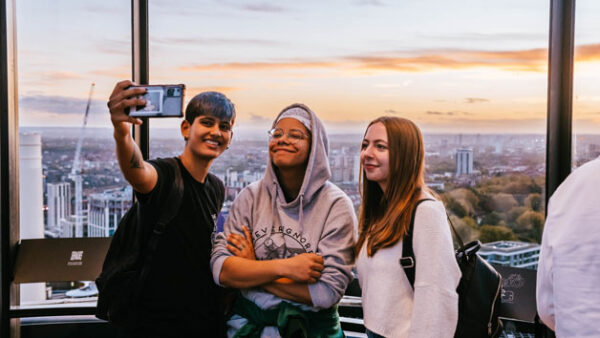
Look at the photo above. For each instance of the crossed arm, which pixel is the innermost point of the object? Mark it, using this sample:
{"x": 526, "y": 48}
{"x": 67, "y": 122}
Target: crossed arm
{"x": 285, "y": 278}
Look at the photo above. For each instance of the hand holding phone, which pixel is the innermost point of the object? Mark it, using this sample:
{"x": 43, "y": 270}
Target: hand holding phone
{"x": 161, "y": 101}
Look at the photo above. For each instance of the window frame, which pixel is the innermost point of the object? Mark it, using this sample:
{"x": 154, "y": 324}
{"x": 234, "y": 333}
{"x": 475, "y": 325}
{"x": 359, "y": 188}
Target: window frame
{"x": 558, "y": 144}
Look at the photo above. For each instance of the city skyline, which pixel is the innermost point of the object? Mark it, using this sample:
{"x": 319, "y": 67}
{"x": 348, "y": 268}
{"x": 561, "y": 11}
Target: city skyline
{"x": 350, "y": 61}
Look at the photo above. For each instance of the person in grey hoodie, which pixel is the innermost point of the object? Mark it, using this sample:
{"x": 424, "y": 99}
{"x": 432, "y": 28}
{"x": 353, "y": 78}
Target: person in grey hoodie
{"x": 288, "y": 241}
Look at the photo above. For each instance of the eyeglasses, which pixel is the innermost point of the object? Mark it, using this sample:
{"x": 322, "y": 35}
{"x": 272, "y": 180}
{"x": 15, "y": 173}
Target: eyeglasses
{"x": 293, "y": 135}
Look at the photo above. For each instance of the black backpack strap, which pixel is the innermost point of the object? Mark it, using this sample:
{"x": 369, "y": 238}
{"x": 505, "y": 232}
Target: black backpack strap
{"x": 170, "y": 209}
{"x": 408, "y": 261}
{"x": 167, "y": 214}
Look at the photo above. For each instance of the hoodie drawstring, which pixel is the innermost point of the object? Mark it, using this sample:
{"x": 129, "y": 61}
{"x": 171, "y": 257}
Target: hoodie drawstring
{"x": 274, "y": 195}
{"x": 301, "y": 212}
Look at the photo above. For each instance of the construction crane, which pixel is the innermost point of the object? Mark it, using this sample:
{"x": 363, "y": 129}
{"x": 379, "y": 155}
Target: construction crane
{"x": 75, "y": 174}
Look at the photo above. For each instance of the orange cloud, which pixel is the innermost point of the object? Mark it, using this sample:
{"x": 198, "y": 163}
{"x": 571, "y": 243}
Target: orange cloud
{"x": 257, "y": 66}
{"x": 529, "y": 60}
{"x": 587, "y": 52}
{"x": 524, "y": 60}
{"x": 196, "y": 90}
{"x": 120, "y": 72}
{"x": 58, "y": 76}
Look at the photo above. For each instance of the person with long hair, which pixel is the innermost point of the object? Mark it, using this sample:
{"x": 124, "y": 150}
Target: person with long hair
{"x": 392, "y": 185}
{"x": 288, "y": 241}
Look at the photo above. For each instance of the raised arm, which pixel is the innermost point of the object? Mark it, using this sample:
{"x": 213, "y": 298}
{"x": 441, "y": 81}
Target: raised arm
{"x": 141, "y": 175}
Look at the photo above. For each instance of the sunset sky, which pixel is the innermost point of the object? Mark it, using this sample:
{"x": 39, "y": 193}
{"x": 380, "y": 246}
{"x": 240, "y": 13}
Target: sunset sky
{"x": 466, "y": 66}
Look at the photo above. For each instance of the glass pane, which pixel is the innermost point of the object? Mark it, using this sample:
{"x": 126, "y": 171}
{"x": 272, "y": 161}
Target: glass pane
{"x": 586, "y": 116}
{"x": 70, "y": 55}
{"x": 471, "y": 74}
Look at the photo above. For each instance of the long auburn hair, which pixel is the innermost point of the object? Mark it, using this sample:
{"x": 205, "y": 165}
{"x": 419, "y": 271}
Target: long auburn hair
{"x": 385, "y": 216}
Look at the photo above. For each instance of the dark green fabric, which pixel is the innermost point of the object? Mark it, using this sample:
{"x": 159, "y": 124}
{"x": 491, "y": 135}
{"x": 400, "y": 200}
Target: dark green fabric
{"x": 290, "y": 320}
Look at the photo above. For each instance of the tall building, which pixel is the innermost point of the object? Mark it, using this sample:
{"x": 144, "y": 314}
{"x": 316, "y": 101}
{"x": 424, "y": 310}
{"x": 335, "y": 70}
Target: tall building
{"x": 342, "y": 167}
{"x": 105, "y": 210}
{"x": 68, "y": 226}
{"x": 31, "y": 203}
{"x": 59, "y": 205}
{"x": 511, "y": 253}
{"x": 356, "y": 169}
{"x": 464, "y": 161}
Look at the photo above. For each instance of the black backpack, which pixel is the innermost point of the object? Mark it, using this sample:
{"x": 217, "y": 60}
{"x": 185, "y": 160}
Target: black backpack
{"x": 128, "y": 259}
{"x": 478, "y": 289}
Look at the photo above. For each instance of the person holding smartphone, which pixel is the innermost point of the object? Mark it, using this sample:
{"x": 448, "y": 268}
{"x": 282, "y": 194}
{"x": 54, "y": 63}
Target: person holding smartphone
{"x": 392, "y": 159}
{"x": 179, "y": 297}
{"x": 287, "y": 243}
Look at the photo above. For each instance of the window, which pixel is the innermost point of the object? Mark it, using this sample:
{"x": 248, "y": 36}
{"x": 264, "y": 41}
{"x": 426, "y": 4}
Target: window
{"x": 478, "y": 94}
{"x": 67, "y": 55}
{"x": 586, "y": 116}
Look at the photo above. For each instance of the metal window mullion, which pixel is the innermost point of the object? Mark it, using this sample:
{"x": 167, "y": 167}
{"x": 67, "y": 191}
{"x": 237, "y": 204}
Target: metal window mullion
{"x": 560, "y": 94}
{"x": 140, "y": 65}
{"x": 9, "y": 167}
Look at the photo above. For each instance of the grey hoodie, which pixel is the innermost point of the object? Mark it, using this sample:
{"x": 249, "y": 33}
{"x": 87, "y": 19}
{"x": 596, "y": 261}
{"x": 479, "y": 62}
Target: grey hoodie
{"x": 320, "y": 220}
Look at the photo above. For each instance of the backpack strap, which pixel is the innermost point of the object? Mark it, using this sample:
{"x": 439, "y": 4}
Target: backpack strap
{"x": 167, "y": 214}
{"x": 408, "y": 261}
{"x": 174, "y": 198}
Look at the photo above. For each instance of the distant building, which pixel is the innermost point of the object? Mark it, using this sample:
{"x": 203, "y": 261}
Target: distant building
{"x": 235, "y": 179}
{"x": 344, "y": 167}
{"x": 511, "y": 253}
{"x": 106, "y": 209}
{"x": 436, "y": 185}
{"x": 464, "y": 162}
{"x": 356, "y": 169}
{"x": 59, "y": 204}
{"x": 31, "y": 199}
{"x": 68, "y": 226}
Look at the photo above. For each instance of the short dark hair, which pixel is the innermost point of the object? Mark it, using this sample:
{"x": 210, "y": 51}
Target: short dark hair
{"x": 211, "y": 104}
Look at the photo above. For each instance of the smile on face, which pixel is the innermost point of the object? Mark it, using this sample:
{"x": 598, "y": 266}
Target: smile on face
{"x": 374, "y": 155}
{"x": 207, "y": 136}
{"x": 286, "y": 151}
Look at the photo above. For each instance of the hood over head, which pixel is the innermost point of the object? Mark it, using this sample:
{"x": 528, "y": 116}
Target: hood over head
{"x": 317, "y": 168}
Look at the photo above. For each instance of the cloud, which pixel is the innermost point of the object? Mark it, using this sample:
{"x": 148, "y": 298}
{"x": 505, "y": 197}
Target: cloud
{"x": 59, "y": 76}
{"x": 255, "y": 118}
{"x": 391, "y": 111}
{"x": 231, "y": 66}
{"x": 264, "y": 7}
{"x": 222, "y": 89}
{"x": 214, "y": 41}
{"x": 488, "y": 37}
{"x": 476, "y": 100}
{"x": 60, "y": 105}
{"x": 533, "y": 60}
{"x": 589, "y": 52}
{"x": 528, "y": 60}
{"x": 96, "y": 9}
{"x": 377, "y": 3}
{"x": 114, "y": 46}
{"x": 121, "y": 72}
{"x": 449, "y": 113}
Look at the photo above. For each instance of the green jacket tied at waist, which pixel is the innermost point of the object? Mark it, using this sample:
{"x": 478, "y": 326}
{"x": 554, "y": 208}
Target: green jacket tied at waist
{"x": 290, "y": 320}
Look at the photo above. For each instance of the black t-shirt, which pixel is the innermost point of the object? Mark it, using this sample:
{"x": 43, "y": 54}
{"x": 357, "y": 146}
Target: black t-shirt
{"x": 180, "y": 297}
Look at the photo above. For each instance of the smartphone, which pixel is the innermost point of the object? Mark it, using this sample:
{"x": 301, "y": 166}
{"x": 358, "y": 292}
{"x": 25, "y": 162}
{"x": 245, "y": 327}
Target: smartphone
{"x": 161, "y": 101}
